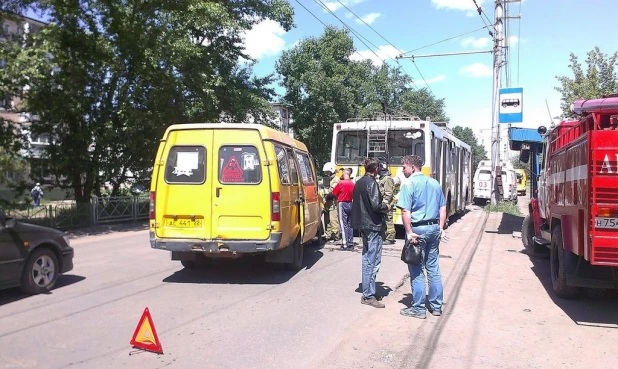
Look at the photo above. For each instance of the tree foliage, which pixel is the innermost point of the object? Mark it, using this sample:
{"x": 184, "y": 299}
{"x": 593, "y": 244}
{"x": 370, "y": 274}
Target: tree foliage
{"x": 106, "y": 78}
{"x": 325, "y": 85}
{"x": 478, "y": 151}
{"x": 597, "y": 80}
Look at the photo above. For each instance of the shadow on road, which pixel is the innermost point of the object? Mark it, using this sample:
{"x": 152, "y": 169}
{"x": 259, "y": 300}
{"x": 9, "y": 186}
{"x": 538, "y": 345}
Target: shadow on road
{"x": 248, "y": 270}
{"x": 15, "y": 294}
{"x": 382, "y": 291}
{"x": 596, "y": 308}
{"x": 508, "y": 224}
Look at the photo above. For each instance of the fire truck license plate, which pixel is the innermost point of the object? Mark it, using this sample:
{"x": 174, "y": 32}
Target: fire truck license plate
{"x": 607, "y": 223}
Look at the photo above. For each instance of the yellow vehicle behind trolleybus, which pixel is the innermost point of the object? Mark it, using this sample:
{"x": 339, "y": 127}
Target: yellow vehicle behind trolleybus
{"x": 446, "y": 158}
{"x": 521, "y": 181}
{"x": 227, "y": 190}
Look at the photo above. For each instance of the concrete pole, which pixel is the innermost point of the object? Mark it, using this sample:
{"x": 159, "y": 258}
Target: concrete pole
{"x": 495, "y": 143}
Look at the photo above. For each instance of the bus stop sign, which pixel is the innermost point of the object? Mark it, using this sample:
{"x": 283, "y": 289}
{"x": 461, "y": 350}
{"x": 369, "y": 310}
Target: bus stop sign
{"x": 511, "y": 102}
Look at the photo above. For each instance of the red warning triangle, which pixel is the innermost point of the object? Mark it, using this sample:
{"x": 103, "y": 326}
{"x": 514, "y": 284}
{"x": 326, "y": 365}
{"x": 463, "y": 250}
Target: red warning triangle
{"x": 145, "y": 336}
{"x": 232, "y": 171}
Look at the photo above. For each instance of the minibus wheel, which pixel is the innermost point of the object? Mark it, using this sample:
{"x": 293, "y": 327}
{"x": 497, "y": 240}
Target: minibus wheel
{"x": 297, "y": 248}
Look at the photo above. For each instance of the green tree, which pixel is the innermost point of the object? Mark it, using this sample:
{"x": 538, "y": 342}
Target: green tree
{"x": 325, "y": 85}
{"x": 598, "y": 80}
{"x": 478, "y": 151}
{"x": 106, "y": 78}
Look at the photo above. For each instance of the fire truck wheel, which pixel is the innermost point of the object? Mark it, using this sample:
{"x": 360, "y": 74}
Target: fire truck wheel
{"x": 558, "y": 267}
{"x": 527, "y": 232}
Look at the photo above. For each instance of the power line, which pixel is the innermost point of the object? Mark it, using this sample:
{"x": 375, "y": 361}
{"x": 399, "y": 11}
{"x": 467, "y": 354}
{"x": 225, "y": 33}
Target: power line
{"x": 481, "y": 13}
{"x": 390, "y": 43}
{"x": 362, "y": 20}
{"x": 360, "y": 38}
{"x": 319, "y": 20}
{"x": 446, "y": 39}
{"x": 310, "y": 12}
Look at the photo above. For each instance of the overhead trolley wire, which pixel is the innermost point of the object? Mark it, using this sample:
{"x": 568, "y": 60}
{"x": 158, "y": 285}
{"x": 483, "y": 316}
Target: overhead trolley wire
{"x": 446, "y": 39}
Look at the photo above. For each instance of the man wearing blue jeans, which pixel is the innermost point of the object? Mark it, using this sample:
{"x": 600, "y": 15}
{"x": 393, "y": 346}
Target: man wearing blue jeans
{"x": 423, "y": 209}
{"x": 368, "y": 212}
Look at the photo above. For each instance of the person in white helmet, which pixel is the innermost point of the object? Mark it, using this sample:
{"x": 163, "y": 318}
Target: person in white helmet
{"x": 37, "y": 194}
{"x": 331, "y": 221}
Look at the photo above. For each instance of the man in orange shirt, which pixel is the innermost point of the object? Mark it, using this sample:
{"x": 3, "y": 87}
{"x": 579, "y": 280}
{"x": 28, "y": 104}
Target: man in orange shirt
{"x": 344, "y": 190}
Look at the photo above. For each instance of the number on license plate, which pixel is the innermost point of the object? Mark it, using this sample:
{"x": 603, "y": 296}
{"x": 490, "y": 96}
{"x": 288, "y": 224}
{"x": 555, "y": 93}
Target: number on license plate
{"x": 606, "y": 222}
{"x": 184, "y": 223}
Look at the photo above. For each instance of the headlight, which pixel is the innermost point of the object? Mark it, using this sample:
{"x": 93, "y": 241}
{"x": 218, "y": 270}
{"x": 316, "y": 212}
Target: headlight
{"x": 67, "y": 240}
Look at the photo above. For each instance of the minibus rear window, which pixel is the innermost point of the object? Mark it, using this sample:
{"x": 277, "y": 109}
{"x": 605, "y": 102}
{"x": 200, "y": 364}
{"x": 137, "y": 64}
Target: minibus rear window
{"x": 239, "y": 164}
{"x": 186, "y": 165}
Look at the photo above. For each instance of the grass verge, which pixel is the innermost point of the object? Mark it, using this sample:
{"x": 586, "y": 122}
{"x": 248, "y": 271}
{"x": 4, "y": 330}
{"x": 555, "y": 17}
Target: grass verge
{"x": 504, "y": 207}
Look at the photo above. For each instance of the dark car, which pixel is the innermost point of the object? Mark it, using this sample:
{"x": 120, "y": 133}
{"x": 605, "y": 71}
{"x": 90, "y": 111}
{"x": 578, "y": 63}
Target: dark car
{"x": 31, "y": 256}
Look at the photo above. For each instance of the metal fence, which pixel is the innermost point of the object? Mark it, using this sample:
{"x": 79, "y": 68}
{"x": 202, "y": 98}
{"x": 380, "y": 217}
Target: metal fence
{"x": 71, "y": 215}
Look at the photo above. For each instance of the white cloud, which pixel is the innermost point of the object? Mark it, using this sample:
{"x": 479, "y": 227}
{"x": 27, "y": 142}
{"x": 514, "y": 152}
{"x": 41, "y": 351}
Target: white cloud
{"x": 476, "y": 42}
{"x": 513, "y": 40}
{"x": 384, "y": 52}
{"x": 439, "y": 78}
{"x": 369, "y": 18}
{"x": 336, "y": 5}
{"x": 477, "y": 70}
{"x": 456, "y": 4}
{"x": 264, "y": 39}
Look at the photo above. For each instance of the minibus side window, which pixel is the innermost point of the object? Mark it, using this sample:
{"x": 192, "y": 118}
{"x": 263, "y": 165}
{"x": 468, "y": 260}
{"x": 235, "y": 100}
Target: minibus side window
{"x": 305, "y": 168}
{"x": 293, "y": 170}
{"x": 186, "y": 165}
{"x": 239, "y": 164}
{"x": 282, "y": 164}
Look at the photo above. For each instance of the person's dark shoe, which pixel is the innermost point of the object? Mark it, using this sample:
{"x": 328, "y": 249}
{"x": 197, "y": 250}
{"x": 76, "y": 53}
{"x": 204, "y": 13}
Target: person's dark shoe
{"x": 411, "y": 313}
{"x": 350, "y": 248}
{"x": 372, "y": 302}
{"x": 436, "y": 313}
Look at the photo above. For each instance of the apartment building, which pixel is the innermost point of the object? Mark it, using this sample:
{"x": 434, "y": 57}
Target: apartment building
{"x": 13, "y": 28}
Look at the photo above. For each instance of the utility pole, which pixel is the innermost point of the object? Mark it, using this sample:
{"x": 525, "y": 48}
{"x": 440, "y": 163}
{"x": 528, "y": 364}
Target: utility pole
{"x": 498, "y": 53}
{"x": 495, "y": 126}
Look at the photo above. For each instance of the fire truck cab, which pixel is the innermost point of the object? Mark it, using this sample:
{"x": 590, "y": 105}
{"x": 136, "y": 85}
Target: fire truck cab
{"x": 574, "y": 214}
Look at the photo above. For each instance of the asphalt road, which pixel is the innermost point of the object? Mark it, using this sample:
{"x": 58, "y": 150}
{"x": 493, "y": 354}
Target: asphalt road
{"x": 499, "y": 311}
{"x": 239, "y": 313}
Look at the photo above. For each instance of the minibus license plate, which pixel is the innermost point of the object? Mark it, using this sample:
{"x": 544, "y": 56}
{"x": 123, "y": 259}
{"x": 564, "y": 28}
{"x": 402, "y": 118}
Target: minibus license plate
{"x": 611, "y": 223}
{"x": 184, "y": 223}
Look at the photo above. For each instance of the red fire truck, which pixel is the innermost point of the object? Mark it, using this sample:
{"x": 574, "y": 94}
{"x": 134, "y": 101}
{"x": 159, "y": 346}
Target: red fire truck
{"x": 575, "y": 213}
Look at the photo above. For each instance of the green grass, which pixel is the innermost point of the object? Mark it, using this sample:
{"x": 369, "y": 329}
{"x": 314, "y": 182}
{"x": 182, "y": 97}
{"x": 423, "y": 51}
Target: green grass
{"x": 504, "y": 207}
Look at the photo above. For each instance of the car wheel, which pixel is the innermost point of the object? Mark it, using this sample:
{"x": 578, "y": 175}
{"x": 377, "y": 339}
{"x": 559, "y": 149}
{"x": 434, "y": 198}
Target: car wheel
{"x": 40, "y": 272}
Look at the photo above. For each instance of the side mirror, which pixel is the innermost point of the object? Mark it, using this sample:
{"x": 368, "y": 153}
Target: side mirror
{"x": 542, "y": 130}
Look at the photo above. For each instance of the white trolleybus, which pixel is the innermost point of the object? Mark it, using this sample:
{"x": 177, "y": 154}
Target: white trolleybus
{"x": 388, "y": 138}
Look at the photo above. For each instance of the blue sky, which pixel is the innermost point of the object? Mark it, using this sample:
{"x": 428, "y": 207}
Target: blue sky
{"x": 550, "y": 30}
{"x": 548, "y": 34}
